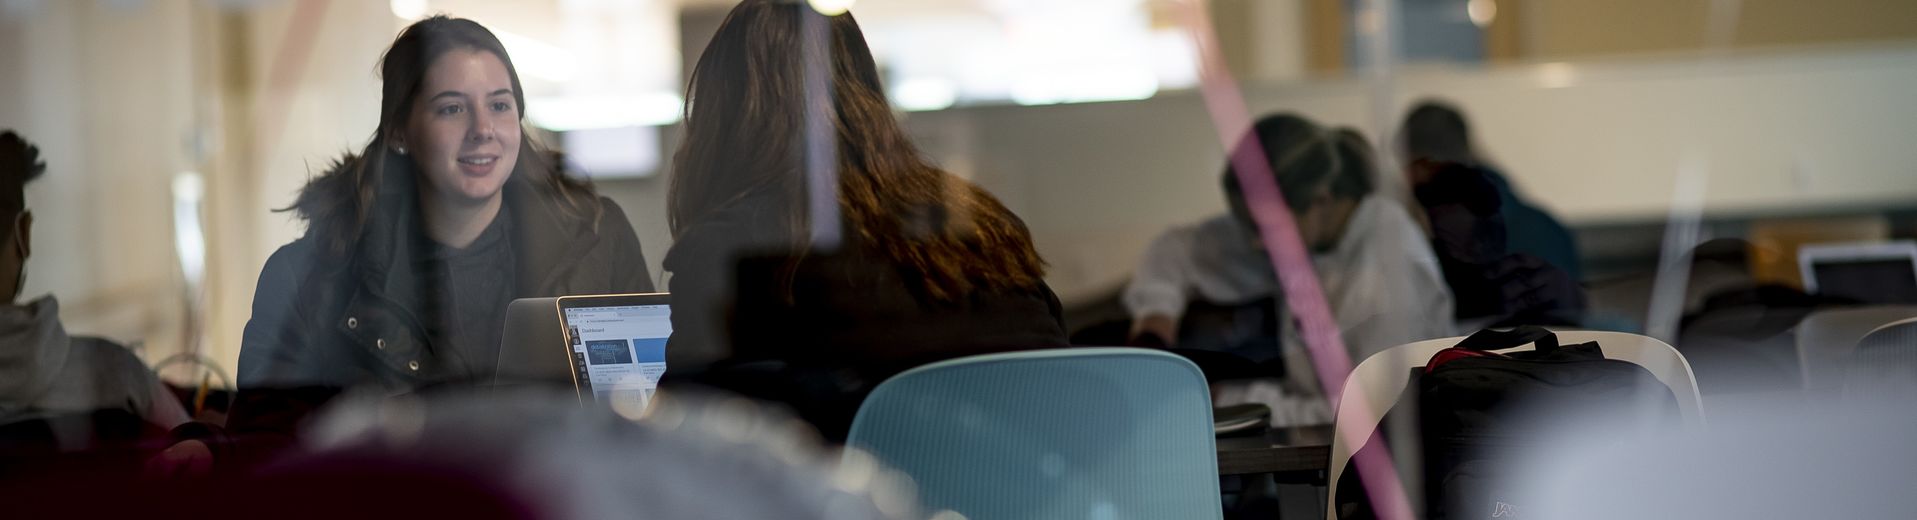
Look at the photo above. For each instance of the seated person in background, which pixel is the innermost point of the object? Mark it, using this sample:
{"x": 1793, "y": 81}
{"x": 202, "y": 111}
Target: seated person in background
{"x": 811, "y": 294}
{"x": 1494, "y": 285}
{"x": 1507, "y": 262}
{"x": 415, "y": 245}
{"x": 1380, "y": 276}
{"x": 1376, "y": 268}
{"x": 44, "y": 373}
{"x": 1436, "y": 132}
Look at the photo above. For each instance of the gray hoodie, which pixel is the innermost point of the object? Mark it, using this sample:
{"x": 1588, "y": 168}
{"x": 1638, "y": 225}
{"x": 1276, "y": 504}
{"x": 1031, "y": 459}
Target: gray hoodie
{"x": 44, "y": 372}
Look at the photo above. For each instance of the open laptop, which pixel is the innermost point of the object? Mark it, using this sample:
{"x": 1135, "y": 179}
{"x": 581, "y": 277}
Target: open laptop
{"x": 612, "y": 348}
{"x": 1875, "y": 273}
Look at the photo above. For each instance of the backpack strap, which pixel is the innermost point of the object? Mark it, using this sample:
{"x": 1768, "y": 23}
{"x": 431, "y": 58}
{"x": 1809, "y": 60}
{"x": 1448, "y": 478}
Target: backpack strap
{"x": 1482, "y": 343}
{"x": 1454, "y": 353}
{"x": 1492, "y": 339}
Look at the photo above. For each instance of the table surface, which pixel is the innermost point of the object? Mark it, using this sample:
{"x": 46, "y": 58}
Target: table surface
{"x": 1298, "y": 450}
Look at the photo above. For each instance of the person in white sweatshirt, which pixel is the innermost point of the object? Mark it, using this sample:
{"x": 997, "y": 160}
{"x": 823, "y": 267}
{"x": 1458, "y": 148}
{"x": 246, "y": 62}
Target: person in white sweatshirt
{"x": 1373, "y": 261}
{"x": 44, "y": 372}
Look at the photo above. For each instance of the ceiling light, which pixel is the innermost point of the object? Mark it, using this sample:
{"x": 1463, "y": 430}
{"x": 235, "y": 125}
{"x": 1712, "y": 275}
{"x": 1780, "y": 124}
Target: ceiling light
{"x": 1482, "y": 12}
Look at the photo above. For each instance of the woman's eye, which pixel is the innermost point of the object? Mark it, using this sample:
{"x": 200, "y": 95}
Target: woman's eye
{"x": 450, "y": 110}
{"x": 502, "y": 106}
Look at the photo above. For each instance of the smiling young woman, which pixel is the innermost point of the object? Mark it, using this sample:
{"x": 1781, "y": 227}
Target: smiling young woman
{"x": 415, "y": 245}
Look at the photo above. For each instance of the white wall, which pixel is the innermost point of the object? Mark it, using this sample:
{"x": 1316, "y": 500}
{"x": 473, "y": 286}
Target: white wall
{"x": 1807, "y": 130}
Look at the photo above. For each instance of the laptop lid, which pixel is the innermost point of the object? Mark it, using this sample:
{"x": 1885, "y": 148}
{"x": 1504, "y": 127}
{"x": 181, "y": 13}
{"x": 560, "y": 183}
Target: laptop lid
{"x": 1877, "y": 273}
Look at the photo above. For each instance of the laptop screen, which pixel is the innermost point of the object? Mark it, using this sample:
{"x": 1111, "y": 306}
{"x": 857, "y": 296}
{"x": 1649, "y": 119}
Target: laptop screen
{"x": 1875, "y": 281}
{"x": 619, "y": 353}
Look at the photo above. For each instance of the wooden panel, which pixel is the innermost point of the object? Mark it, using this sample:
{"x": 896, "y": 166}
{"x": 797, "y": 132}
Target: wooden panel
{"x": 1504, "y": 38}
{"x": 1326, "y": 24}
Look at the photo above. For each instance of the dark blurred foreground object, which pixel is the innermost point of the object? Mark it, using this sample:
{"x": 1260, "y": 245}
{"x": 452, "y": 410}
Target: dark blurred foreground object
{"x": 103, "y": 445}
{"x": 1479, "y": 413}
{"x": 523, "y": 453}
{"x": 1493, "y": 285}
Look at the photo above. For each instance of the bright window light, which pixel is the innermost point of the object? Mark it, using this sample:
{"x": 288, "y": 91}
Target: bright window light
{"x": 537, "y": 58}
{"x": 566, "y": 113}
{"x": 601, "y": 153}
{"x": 920, "y": 94}
{"x": 189, "y": 233}
{"x": 1085, "y": 86}
{"x": 1029, "y": 52}
{"x": 409, "y": 9}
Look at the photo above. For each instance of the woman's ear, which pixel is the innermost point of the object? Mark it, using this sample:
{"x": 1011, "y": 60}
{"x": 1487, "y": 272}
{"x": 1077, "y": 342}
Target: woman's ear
{"x": 396, "y": 141}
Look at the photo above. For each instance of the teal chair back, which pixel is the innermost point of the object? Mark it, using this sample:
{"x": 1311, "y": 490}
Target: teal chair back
{"x": 1084, "y": 433}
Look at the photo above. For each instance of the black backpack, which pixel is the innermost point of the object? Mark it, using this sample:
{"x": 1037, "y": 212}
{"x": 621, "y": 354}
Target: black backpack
{"x": 1480, "y": 412}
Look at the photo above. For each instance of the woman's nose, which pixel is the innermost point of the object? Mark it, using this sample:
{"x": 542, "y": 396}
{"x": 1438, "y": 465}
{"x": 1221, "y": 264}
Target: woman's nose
{"x": 482, "y": 130}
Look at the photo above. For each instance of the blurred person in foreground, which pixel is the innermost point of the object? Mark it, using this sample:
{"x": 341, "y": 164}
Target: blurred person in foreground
{"x": 44, "y": 372}
{"x": 1376, "y": 268}
{"x": 511, "y": 453}
{"x": 416, "y": 244}
{"x": 815, "y": 251}
{"x": 1506, "y": 261}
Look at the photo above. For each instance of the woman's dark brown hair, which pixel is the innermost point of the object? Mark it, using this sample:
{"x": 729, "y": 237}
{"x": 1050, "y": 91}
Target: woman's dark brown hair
{"x": 340, "y": 204}
{"x": 747, "y": 115}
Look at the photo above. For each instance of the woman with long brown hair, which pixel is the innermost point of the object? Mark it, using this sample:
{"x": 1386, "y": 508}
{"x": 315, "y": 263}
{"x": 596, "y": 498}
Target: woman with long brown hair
{"x": 415, "y": 245}
{"x": 810, "y": 232}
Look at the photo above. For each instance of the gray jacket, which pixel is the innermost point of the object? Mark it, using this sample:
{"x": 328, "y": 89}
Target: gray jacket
{"x": 46, "y": 373}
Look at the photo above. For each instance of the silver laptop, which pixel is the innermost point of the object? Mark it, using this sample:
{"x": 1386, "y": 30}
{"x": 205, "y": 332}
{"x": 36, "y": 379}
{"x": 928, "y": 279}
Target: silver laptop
{"x": 611, "y": 348}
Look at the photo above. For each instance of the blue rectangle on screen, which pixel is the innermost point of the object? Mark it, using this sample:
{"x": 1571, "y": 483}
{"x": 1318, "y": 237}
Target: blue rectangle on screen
{"x": 650, "y": 350}
{"x": 607, "y": 352}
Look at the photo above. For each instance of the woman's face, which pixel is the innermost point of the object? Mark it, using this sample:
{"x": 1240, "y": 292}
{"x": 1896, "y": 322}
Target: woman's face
{"x": 463, "y": 132}
{"x": 1318, "y": 226}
